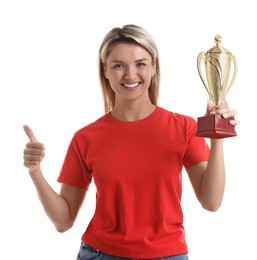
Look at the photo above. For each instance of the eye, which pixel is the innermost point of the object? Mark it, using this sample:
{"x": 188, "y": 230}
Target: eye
{"x": 118, "y": 66}
{"x": 141, "y": 64}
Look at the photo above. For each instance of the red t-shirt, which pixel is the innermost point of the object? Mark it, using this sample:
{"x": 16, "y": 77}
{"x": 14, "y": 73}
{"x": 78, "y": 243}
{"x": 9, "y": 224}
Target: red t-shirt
{"x": 137, "y": 169}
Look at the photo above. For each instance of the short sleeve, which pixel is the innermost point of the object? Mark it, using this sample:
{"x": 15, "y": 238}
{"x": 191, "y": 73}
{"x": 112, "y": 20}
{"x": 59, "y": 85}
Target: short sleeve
{"x": 197, "y": 150}
{"x": 74, "y": 170}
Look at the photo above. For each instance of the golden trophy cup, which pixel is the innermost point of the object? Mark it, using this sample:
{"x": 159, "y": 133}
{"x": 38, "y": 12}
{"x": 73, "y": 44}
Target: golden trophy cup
{"x": 217, "y": 62}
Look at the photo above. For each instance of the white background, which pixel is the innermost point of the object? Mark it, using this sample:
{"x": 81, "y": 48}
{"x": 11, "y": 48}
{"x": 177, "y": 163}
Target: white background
{"x": 48, "y": 80}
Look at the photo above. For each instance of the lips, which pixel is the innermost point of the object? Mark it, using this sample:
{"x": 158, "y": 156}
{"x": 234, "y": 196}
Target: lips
{"x": 131, "y": 85}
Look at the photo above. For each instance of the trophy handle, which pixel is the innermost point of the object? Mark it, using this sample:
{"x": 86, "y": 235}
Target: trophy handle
{"x": 199, "y": 59}
{"x": 234, "y": 61}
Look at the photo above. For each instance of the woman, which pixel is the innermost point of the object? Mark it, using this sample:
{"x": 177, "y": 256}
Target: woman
{"x": 135, "y": 154}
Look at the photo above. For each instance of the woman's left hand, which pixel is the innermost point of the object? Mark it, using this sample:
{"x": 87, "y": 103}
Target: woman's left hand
{"x": 224, "y": 110}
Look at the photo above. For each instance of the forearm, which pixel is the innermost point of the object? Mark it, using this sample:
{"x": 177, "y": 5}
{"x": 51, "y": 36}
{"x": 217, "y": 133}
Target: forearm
{"x": 54, "y": 205}
{"x": 213, "y": 182}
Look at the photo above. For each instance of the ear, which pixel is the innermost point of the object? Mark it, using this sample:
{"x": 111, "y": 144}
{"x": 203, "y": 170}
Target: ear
{"x": 105, "y": 71}
{"x": 154, "y": 67}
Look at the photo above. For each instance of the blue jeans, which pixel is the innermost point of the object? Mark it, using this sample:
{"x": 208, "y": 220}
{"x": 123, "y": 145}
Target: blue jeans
{"x": 87, "y": 252}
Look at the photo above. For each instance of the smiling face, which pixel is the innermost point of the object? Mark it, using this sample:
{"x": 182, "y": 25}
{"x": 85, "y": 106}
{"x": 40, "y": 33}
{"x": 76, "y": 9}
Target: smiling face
{"x": 129, "y": 69}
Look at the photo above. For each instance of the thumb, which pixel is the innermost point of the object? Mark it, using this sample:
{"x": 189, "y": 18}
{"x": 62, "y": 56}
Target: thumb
{"x": 209, "y": 107}
{"x": 30, "y": 133}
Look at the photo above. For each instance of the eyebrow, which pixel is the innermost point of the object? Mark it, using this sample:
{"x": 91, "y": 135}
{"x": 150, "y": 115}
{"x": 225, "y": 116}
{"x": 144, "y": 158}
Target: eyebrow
{"x": 119, "y": 61}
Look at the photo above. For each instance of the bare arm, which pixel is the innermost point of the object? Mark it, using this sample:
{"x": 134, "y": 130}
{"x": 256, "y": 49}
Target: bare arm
{"x": 62, "y": 208}
{"x": 208, "y": 178}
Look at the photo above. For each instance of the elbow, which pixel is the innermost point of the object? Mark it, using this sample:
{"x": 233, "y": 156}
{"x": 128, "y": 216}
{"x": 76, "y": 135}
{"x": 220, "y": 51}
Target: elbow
{"x": 212, "y": 207}
{"x": 210, "y": 202}
{"x": 61, "y": 228}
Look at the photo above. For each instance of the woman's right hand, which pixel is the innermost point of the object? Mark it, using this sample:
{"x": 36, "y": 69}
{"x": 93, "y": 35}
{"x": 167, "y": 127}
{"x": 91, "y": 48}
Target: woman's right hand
{"x": 34, "y": 151}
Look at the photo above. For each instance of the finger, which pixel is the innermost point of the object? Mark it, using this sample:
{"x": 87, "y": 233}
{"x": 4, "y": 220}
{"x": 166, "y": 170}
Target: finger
{"x": 30, "y": 133}
{"x": 228, "y": 113}
{"x": 214, "y": 109}
{"x": 30, "y": 157}
{"x": 39, "y": 150}
{"x": 35, "y": 146}
{"x": 222, "y": 106}
{"x": 33, "y": 157}
{"x": 234, "y": 122}
{"x": 209, "y": 107}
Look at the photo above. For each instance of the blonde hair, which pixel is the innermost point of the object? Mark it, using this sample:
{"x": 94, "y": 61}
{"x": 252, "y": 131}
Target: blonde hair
{"x": 127, "y": 34}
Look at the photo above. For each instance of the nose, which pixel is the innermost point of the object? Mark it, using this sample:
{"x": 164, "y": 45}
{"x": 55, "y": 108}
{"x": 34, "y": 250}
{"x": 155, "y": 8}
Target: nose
{"x": 130, "y": 73}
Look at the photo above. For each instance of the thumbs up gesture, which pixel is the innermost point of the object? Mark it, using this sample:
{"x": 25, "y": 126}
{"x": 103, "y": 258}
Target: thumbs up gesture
{"x": 34, "y": 151}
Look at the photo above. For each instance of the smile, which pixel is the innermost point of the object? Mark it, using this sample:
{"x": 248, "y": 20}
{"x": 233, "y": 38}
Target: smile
{"x": 133, "y": 85}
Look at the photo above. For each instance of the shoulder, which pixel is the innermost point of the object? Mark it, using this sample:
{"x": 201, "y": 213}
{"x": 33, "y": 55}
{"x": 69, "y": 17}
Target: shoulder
{"x": 180, "y": 125}
{"x": 93, "y": 126}
{"x": 176, "y": 117}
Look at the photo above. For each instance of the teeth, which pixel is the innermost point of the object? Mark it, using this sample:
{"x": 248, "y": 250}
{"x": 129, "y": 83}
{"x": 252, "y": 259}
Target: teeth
{"x": 131, "y": 85}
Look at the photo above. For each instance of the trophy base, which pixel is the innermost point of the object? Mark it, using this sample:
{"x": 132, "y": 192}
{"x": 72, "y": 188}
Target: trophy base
{"x": 215, "y": 126}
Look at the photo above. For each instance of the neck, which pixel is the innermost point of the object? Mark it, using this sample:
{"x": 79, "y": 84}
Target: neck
{"x": 132, "y": 112}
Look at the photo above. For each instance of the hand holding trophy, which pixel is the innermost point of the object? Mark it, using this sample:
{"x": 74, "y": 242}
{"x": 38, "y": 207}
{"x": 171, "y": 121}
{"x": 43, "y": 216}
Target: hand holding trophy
{"x": 217, "y": 62}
